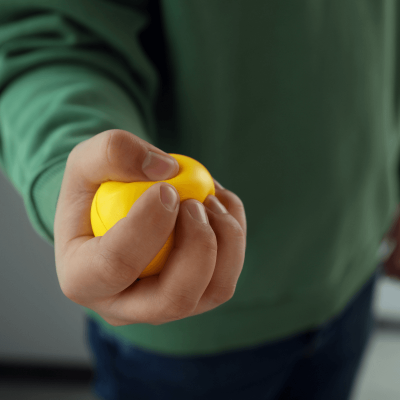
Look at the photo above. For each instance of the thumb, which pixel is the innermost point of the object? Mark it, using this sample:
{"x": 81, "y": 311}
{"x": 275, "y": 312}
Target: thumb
{"x": 106, "y": 265}
{"x": 113, "y": 155}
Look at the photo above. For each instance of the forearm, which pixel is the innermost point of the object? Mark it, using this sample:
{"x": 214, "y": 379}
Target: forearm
{"x": 43, "y": 116}
{"x": 69, "y": 70}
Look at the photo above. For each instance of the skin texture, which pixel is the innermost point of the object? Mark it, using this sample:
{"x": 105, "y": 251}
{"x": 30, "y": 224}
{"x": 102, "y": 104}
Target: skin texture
{"x": 100, "y": 273}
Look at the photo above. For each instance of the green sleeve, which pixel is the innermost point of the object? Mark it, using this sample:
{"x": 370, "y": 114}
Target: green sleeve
{"x": 69, "y": 69}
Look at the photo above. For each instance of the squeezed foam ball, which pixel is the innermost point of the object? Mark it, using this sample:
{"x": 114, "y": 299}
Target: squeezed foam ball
{"x": 113, "y": 200}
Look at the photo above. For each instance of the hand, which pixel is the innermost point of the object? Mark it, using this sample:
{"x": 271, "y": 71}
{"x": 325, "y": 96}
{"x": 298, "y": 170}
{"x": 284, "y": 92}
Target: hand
{"x": 100, "y": 272}
{"x": 392, "y": 263}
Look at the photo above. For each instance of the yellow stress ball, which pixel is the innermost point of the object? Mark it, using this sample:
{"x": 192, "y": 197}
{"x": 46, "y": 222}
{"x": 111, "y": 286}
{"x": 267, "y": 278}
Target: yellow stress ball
{"x": 113, "y": 200}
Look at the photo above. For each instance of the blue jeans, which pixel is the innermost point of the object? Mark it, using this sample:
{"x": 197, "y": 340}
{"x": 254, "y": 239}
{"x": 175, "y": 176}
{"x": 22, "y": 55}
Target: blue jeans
{"x": 320, "y": 364}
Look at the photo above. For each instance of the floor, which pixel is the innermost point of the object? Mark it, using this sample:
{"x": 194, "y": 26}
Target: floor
{"x": 378, "y": 379}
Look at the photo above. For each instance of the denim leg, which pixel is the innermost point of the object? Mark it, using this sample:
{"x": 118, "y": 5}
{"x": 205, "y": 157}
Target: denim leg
{"x": 105, "y": 383}
{"x": 125, "y": 371}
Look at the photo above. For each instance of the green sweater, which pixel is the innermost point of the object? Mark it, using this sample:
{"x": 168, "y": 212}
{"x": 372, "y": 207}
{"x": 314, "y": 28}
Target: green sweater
{"x": 292, "y": 105}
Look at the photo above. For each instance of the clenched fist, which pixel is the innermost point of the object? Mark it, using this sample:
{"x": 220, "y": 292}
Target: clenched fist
{"x": 101, "y": 273}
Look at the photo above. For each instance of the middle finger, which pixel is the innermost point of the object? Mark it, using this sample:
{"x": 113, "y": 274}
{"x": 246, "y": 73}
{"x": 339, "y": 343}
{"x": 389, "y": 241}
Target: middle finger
{"x": 231, "y": 243}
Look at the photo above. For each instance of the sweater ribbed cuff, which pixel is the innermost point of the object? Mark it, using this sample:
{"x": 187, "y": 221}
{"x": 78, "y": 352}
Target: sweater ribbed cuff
{"x": 41, "y": 206}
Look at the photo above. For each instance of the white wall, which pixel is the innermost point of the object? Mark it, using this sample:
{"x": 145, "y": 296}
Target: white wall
{"x": 387, "y": 305}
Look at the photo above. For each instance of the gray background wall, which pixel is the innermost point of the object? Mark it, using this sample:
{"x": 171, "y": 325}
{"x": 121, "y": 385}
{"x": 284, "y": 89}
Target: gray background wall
{"x": 37, "y": 322}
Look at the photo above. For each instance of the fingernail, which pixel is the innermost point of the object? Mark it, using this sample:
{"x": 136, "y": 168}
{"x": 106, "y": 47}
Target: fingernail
{"x": 215, "y": 205}
{"x": 169, "y": 197}
{"x": 158, "y": 167}
{"x": 197, "y": 211}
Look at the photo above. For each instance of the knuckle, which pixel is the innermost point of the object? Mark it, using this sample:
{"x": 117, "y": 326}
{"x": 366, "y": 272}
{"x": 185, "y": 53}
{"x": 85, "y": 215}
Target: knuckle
{"x": 114, "y": 322}
{"x": 74, "y": 159}
{"x": 236, "y": 231}
{"x": 118, "y": 142}
{"x": 209, "y": 243}
{"x": 70, "y": 292}
{"x": 113, "y": 139}
{"x": 177, "y": 305}
{"x": 232, "y": 200}
{"x": 115, "y": 267}
{"x": 160, "y": 222}
{"x": 206, "y": 238}
{"x": 72, "y": 156}
{"x": 76, "y": 148}
{"x": 222, "y": 294}
{"x": 236, "y": 201}
{"x": 69, "y": 158}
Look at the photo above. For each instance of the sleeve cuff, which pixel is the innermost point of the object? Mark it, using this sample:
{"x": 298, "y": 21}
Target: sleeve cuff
{"x": 42, "y": 199}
